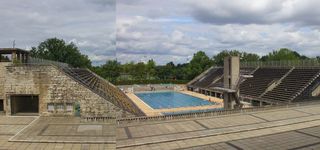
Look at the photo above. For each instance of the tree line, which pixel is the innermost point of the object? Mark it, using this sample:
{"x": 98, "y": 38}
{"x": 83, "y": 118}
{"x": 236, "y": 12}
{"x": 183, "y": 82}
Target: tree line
{"x": 58, "y": 50}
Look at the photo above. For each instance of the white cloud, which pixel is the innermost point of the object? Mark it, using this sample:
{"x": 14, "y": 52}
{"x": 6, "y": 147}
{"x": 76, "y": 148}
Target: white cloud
{"x": 90, "y": 23}
{"x": 164, "y": 30}
{"x": 182, "y": 27}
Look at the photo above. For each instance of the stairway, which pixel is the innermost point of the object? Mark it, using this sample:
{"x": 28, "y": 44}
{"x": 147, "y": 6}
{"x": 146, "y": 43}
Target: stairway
{"x": 103, "y": 88}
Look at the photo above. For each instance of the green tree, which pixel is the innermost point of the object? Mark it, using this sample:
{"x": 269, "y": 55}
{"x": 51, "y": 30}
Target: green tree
{"x": 58, "y": 50}
{"x": 181, "y": 72}
{"x": 249, "y": 57}
{"x": 199, "y": 63}
{"x": 166, "y": 71}
{"x": 151, "y": 69}
{"x": 98, "y": 70}
{"x": 244, "y": 56}
{"x": 139, "y": 71}
{"x": 283, "y": 54}
{"x": 219, "y": 58}
{"x": 111, "y": 70}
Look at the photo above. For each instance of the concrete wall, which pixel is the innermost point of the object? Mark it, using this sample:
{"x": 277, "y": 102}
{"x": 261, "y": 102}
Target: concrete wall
{"x": 316, "y": 92}
{"x": 54, "y": 87}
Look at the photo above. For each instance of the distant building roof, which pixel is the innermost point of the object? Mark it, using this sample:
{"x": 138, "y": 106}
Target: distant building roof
{"x": 10, "y": 50}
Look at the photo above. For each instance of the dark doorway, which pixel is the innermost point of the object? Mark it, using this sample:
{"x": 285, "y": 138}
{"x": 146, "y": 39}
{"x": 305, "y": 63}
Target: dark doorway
{"x": 1, "y": 104}
{"x": 24, "y": 104}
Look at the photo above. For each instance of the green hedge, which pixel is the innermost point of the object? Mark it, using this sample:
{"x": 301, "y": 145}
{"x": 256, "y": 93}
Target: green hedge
{"x": 131, "y": 82}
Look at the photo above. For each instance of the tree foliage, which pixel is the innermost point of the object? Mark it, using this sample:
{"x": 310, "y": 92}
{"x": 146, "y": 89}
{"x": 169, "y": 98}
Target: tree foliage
{"x": 151, "y": 73}
{"x": 283, "y": 54}
{"x": 151, "y": 69}
{"x": 199, "y": 63}
{"x": 219, "y": 58}
{"x": 111, "y": 70}
{"x": 58, "y": 50}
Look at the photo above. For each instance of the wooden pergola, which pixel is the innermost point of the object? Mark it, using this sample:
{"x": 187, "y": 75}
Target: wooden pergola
{"x": 16, "y": 54}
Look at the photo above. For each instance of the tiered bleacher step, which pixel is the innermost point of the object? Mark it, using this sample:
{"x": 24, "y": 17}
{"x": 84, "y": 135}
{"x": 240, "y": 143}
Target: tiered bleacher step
{"x": 208, "y": 78}
{"x": 292, "y": 85}
{"x": 261, "y": 80}
{"x": 200, "y": 76}
{"x": 214, "y": 78}
{"x": 103, "y": 88}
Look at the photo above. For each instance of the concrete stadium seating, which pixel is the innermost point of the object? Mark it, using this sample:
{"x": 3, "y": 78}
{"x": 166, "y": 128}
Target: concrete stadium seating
{"x": 207, "y": 79}
{"x": 261, "y": 80}
{"x": 291, "y": 86}
{"x": 277, "y": 84}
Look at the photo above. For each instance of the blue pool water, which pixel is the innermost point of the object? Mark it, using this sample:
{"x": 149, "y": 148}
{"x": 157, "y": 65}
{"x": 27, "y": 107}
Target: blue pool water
{"x": 159, "y": 100}
{"x": 191, "y": 111}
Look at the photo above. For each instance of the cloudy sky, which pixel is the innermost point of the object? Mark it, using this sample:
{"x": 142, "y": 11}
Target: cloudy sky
{"x": 163, "y": 30}
{"x": 172, "y": 30}
{"x": 90, "y": 24}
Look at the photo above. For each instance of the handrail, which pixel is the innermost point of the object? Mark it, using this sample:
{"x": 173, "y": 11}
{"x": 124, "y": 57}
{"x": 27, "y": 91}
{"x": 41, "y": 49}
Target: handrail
{"x": 306, "y": 85}
{"x": 128, "y": 99}
{"x": 312, "y": 63}
{"x": 123, "y": 121}
{"x": 32, "y": 60}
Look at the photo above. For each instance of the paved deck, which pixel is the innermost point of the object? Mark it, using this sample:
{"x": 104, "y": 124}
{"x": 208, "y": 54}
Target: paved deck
{"x": 32, "y": 133}
{"x": 288, "y": 128}
{"x": 156, "y": 112}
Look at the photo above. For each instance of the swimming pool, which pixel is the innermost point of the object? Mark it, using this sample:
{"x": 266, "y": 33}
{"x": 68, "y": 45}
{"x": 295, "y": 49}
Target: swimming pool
{"x": 160, "y": 100}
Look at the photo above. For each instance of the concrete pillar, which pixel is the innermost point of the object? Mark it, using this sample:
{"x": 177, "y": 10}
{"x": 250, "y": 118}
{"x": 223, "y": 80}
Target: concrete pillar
{"x": 22, "y": 57}
{"x": 27, "y": 58}
{"x": 18, "y": 56}
{"x": 14, "y": 56}
{"x": 231, "y": 77}
{"x": 231, "y": 71}
{"x": 7, "y": 105}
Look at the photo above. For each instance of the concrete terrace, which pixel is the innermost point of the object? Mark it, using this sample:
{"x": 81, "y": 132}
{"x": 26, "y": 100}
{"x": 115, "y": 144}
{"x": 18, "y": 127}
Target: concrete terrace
{"x": 30, "y": 133}
{"x": 294, "y": 127}
{"x": 283, "y": 128}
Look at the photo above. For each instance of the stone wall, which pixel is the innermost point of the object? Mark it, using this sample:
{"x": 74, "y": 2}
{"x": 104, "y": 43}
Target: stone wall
{"x": 2, "y": 77}
{"x": 55, "y": 87}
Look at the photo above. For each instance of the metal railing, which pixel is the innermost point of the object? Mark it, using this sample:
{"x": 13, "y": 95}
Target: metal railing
{"x": 124, "y": 121}
{"x": 283, "y": 63}
{"x": 32, "y": 60}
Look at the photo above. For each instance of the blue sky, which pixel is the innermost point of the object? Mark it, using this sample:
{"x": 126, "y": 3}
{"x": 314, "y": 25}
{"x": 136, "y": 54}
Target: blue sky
{"x": 166, "y": 30}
